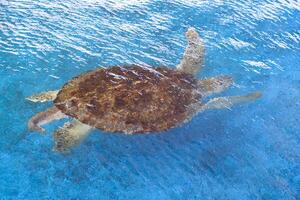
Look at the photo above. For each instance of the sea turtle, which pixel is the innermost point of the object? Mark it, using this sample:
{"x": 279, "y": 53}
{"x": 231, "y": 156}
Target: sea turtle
{"x": 134, "y": 99}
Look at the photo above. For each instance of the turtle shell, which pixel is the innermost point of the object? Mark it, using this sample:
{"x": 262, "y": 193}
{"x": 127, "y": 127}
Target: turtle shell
{"x": 129, "y": 99}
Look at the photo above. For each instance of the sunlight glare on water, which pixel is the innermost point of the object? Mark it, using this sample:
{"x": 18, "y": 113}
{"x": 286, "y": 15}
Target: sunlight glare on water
{"x": 251, "y": 151}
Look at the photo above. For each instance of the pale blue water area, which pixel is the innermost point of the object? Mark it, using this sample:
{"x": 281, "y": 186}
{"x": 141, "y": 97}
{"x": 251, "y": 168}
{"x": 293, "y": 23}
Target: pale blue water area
{"x": 249, "y": 152}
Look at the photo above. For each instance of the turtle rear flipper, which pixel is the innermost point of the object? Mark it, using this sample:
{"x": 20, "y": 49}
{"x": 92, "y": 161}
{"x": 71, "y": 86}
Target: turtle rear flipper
{"x": 70, "y": 135}
{"x": 43, "y": 97}
{"x": 44, "y": 117}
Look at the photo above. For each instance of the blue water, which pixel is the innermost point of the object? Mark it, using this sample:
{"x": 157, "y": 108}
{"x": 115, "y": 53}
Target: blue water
{"x": 249, "y": 152}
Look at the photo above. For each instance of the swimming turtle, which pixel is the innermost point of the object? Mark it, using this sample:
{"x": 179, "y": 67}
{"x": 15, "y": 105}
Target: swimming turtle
{"x": 134, "y": 99}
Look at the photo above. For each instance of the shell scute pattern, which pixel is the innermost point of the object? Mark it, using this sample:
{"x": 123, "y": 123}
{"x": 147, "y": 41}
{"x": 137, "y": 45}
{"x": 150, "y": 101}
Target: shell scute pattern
{"x": 132, "y": 99}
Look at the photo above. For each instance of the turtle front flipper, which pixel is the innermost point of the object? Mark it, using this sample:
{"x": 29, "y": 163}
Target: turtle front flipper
{"x": 70, "y": 135}
{"x": 43, "y": 97}
{"x": 53, "y": 113}
{"x": 213, "y": 85}
{"x": 193, "y": 57}
{"x": 228, "y": 102}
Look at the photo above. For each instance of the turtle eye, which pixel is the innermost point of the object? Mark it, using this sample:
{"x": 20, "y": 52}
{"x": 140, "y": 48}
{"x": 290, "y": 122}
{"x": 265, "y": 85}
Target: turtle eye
{"x": 220, "y": 82}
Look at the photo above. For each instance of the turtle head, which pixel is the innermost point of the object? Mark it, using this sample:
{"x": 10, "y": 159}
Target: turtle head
{"x": 215, "y": 84}
{"x": 221, "y": 83}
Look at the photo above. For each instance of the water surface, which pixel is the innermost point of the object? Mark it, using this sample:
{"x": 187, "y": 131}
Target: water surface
{"x": 249, "y": 152}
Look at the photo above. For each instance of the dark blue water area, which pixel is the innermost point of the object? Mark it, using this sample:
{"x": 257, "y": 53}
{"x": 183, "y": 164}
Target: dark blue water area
{"x": 251, "y": 151}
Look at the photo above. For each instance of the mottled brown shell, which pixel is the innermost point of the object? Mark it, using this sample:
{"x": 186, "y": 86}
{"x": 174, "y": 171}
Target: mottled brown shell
{"x": 130, "y": 99}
